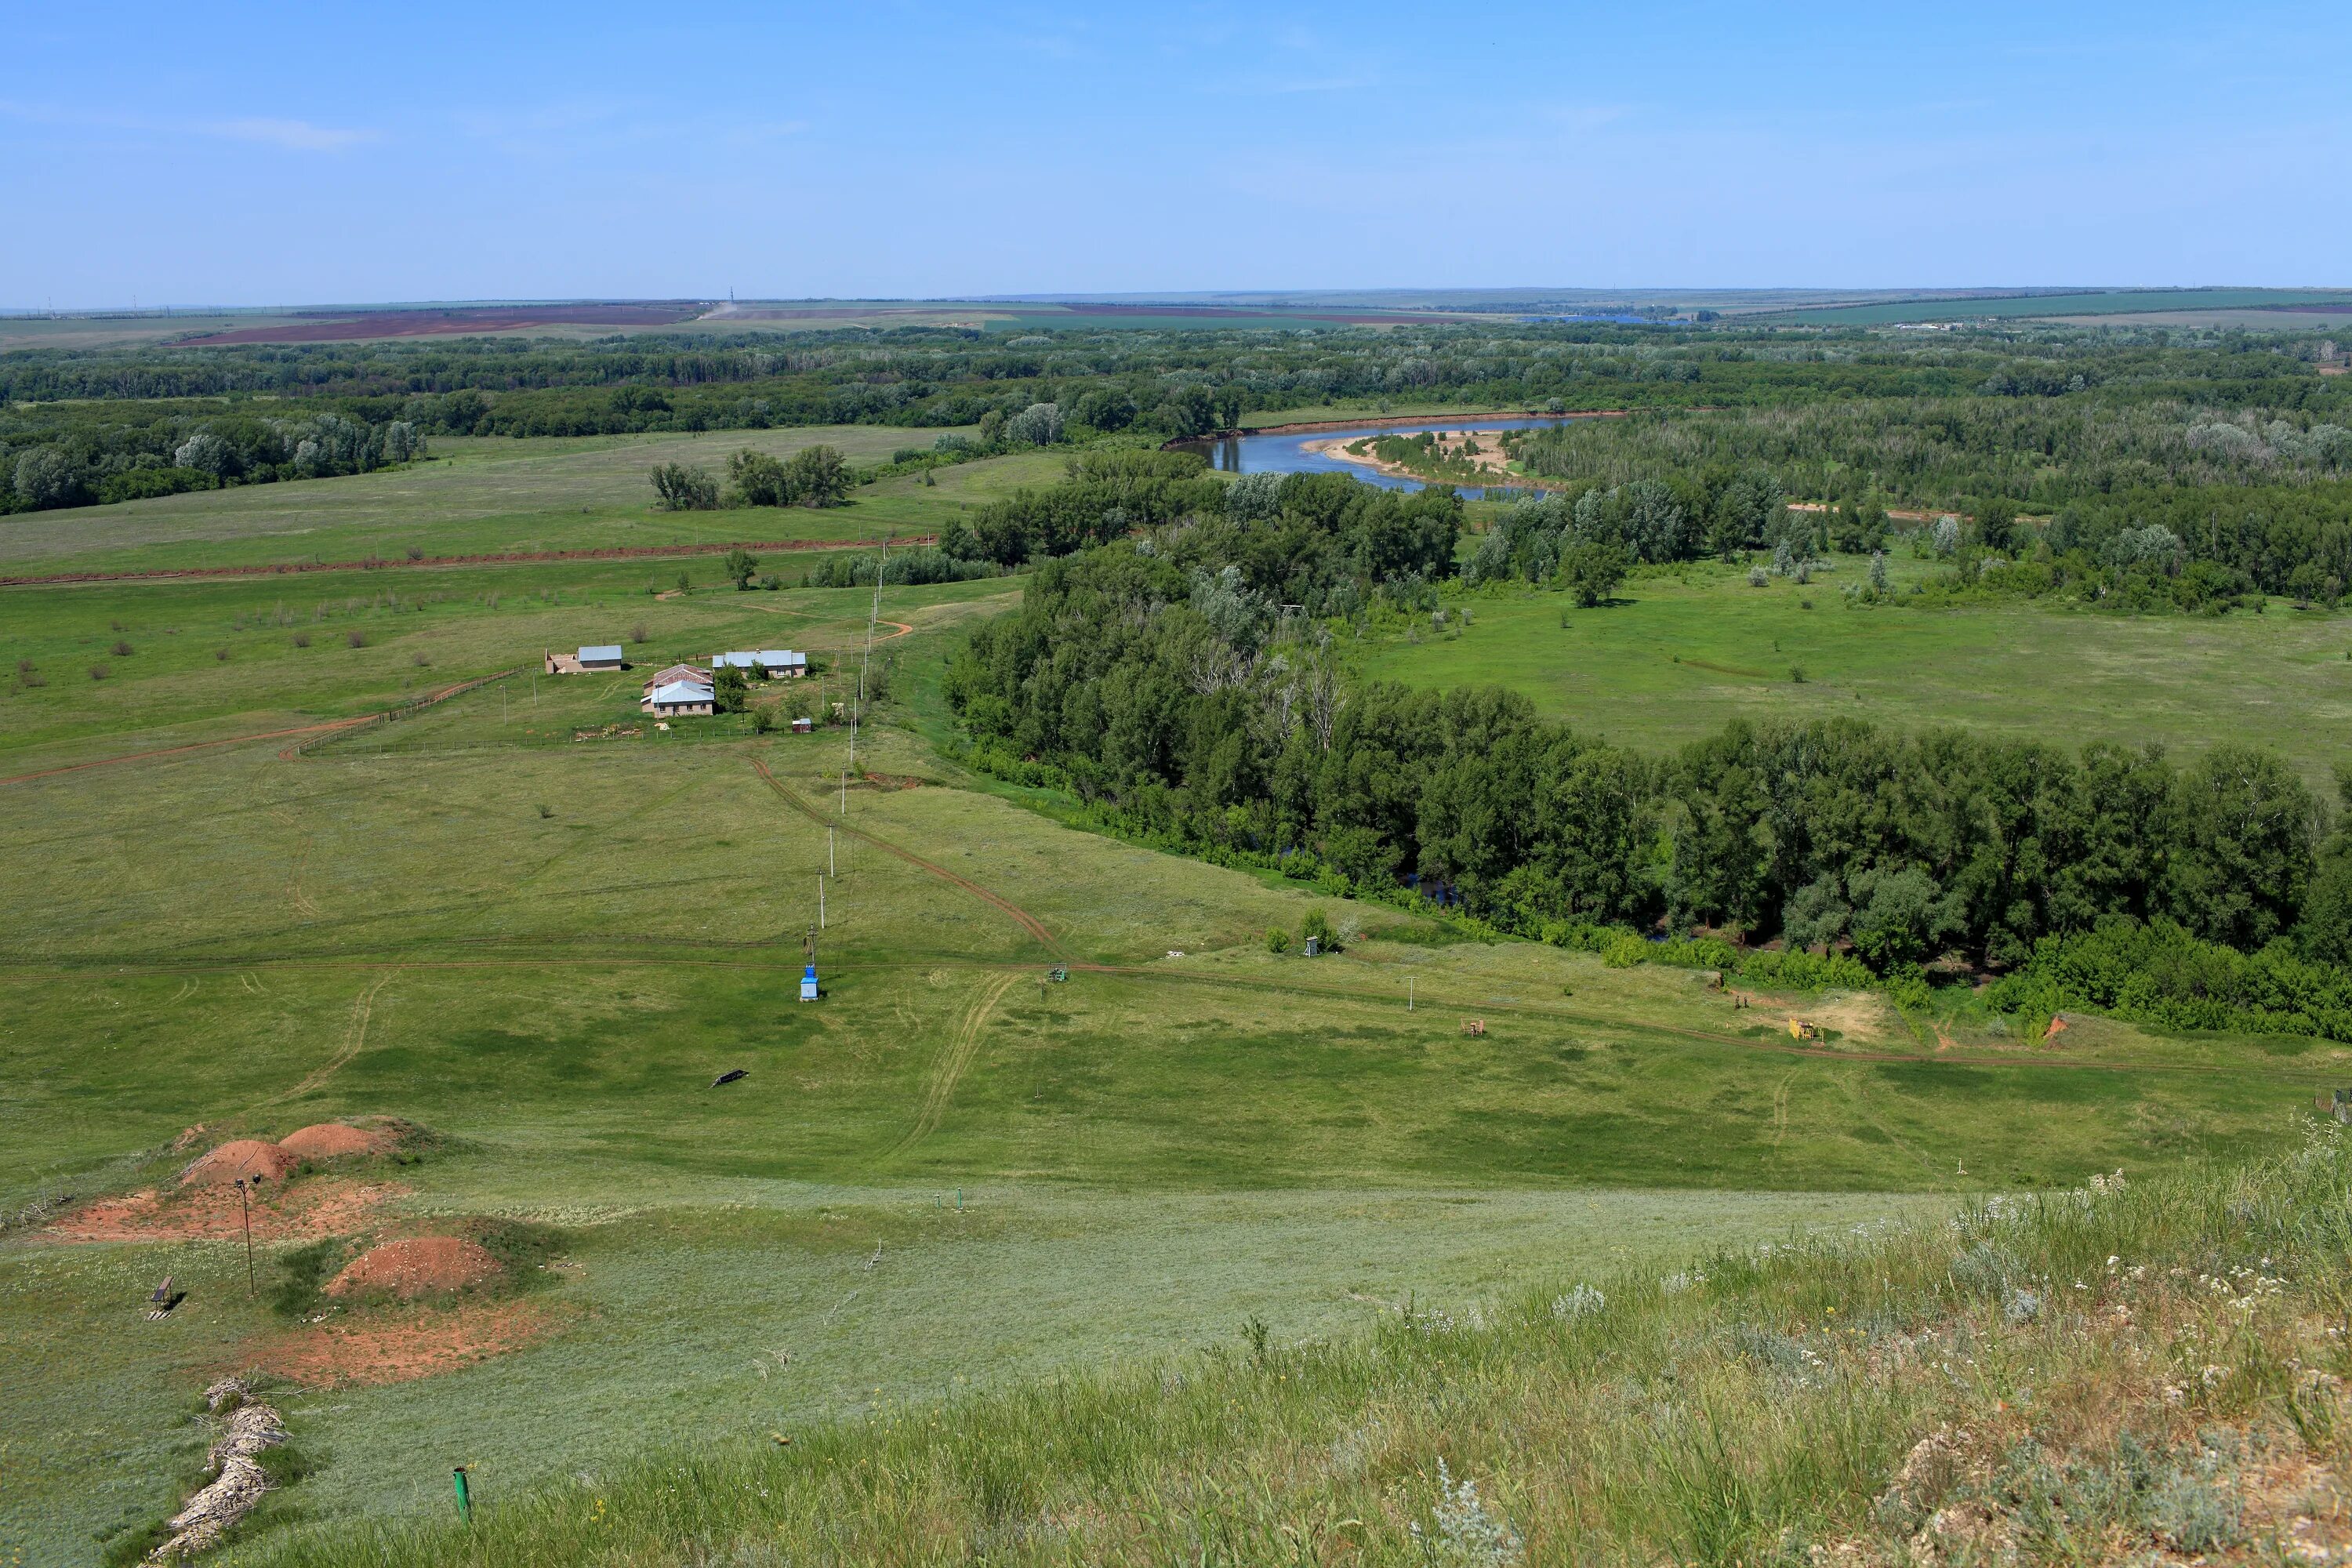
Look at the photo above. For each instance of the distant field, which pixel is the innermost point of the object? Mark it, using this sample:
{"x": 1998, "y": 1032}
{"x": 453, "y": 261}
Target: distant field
{"x": 116, "y": 331}
{"x": 1678, "y": 657}
{"x": 475, "y": 496}
{"x": 2125, "y": 301}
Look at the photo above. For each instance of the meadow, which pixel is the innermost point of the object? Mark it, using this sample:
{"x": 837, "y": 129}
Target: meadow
{"x": 1677, "y": 653}
{"x": 533, "y": 923}
{"x": 473, "y": 496}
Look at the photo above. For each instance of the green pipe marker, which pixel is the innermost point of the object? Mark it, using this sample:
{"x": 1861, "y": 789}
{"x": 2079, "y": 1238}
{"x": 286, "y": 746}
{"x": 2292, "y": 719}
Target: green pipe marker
{"x": 464, "y": 1499}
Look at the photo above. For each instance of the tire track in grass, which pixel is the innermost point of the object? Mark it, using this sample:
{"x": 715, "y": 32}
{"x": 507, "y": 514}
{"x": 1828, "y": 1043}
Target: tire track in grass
{"x": 1021, "y": 917}
{"x": 952, "y": 1065}
{"x": 354, "y": 1041}
{"x": 287, "y": 753}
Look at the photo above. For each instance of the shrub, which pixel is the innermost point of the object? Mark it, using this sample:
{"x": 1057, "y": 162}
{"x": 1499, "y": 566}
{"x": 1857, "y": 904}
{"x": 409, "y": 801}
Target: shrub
{"x": 99, "y": 672}
{"x": 121, "y": 649}
{"x": 1277, "y": 939}
{"x": 683, "y": 489}
{"x": 356, "y": 637}
{"x": 301, "y": 639}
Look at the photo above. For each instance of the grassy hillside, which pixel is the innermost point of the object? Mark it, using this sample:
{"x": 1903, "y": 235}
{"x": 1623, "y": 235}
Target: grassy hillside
{"x": 2124, "y": 1372}
{"x": 540, "y": 927}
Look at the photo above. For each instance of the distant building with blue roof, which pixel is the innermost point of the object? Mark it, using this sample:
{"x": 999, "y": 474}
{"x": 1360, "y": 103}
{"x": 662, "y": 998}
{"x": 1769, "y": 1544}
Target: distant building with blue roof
{"x": 774, "y": 663}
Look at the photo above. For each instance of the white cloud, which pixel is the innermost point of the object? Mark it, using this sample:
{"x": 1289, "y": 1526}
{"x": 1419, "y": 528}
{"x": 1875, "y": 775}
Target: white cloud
{"x": 294, "y": 135}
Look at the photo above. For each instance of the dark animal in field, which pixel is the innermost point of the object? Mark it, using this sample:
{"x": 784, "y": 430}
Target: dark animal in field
{"x": 730, "y": 1076}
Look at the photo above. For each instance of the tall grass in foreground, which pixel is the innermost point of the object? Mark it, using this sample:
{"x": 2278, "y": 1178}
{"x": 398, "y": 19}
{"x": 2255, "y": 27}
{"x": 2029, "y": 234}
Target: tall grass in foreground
{"x": 2126, "y": 1371}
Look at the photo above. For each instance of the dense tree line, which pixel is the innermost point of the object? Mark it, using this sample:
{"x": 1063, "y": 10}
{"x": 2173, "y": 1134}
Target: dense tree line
{"x": 1171, "y": 679}
{"x": 2029, "y": 416}
{"x": 89, "y": 465}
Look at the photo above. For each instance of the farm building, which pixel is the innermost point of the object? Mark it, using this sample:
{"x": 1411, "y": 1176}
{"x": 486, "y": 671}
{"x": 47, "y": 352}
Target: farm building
{"x": 676, "y": 673}
{"x": 603, "y": 656}
{"x": 678, "y": 698}
{"x": 773, "y": 663}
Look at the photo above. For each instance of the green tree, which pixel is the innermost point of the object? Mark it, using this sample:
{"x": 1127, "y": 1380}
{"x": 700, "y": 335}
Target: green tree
{"x": 685, "y": 488}
{"x": 818, "y": 477}
{"x": 739, "y": 565}
{"x": 729, "y": 692}
{"x": 759, "y": 480}
{"x": 1592, "y": 570}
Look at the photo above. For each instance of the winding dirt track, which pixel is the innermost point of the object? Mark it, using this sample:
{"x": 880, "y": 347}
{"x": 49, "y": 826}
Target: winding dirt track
{"x": 508, "y": 558}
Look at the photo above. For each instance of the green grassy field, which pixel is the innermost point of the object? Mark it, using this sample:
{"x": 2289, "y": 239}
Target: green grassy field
{"x": 475, "y": 496}
{"x": 1677, "y": 656}
{"x": 534, "y": 922}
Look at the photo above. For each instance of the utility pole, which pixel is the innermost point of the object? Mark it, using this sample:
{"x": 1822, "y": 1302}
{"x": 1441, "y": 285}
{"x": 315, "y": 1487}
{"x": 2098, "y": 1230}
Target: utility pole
{"x": 245, "y": 1208}
{"x": 832, "y": 865}
{"x": 858, "y": 712}
{"x": 819, "y": 903}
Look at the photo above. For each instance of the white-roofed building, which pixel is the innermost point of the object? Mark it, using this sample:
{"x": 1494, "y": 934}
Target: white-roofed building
{"x": 679, "y": 699}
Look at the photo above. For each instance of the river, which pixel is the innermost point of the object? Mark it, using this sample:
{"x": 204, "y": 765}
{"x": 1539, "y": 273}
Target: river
{"x": 1287, "y": 453}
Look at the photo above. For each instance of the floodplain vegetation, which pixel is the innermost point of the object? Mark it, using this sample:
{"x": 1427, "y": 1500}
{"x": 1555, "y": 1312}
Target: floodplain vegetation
{"x": 1723, "y": 869}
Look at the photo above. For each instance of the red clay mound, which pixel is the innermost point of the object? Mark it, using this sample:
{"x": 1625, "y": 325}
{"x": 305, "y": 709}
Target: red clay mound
{"x": 333, "y": 1141}
{"x": 419, "y": 1266}
{"x": 247, "y": 1157}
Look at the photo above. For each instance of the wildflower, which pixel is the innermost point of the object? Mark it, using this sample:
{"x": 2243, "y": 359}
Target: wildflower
{"x": 1466, "y": 1531}
{"x": 1583, "y": 1301}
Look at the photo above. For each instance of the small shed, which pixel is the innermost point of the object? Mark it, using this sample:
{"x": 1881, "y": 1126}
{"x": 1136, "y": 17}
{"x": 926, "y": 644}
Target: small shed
{"x": 677, "y": 700}
{"x": 803, "y": 725}
{"x": 602, "y": 655}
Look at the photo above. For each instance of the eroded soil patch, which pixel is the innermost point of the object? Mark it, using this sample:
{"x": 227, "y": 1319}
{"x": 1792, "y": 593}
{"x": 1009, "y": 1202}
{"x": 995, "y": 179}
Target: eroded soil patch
{"x": 423, "y": 1342}
{"x": 321, "y": 1208}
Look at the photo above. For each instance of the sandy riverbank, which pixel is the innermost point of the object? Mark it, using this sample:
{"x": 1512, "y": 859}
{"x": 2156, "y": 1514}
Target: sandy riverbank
{"x": 1492, "y": 463}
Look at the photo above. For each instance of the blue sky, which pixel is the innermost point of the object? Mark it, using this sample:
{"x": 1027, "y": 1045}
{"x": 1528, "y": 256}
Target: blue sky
{"x": 248, "y": 155}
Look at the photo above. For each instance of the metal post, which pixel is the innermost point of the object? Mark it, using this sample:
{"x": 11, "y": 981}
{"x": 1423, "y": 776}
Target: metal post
{"x": 832, "y": 866}
{"x": 1408, "y": 993}
{"x": 858, "y": 711}
{"x": 465, "y": 1496}
{"x": 245, "y": 1209}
